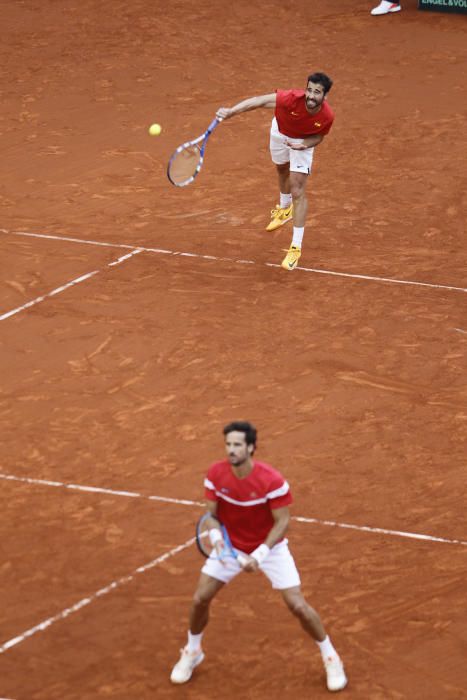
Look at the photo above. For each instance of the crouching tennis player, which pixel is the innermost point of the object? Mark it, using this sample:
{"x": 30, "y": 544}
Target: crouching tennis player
{"x": 251, "y": 500}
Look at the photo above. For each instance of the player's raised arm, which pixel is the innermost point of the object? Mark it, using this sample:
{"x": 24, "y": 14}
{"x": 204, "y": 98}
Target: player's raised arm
{"x": 268, "y": 101}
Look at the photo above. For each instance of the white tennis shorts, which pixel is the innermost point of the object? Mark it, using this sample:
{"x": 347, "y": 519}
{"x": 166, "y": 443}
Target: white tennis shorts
{"x": 300, "y": 161}
{"x": 279, "y": 567}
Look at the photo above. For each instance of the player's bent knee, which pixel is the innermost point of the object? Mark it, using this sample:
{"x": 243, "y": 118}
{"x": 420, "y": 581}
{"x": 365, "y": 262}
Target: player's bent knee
{"x": 300, "y": 609}
{"x": 206, "y": 591}
{"x": 201, "y": 599}
{"x": 297, "y": 606}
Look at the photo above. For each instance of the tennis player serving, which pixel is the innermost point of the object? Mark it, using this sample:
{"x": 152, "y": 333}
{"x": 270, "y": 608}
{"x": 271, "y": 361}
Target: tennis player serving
{"x": 302, "y": 118}
{"x": 251, "y": 500}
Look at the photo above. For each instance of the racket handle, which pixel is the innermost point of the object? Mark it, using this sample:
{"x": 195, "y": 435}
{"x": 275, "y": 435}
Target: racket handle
{"x": 215, "y": 122}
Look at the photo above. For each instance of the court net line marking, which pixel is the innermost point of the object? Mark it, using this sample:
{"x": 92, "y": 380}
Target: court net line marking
{"x": 162, "y": 251}
{"x": 87, "y": 276}
{"x": 94, "y": 596}
{"x": 184, "y": 502}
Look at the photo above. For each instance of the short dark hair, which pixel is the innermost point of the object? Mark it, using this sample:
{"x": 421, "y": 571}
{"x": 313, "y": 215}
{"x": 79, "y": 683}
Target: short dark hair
{"x": 242, "y": 426}
{"x": 321, "y": 79}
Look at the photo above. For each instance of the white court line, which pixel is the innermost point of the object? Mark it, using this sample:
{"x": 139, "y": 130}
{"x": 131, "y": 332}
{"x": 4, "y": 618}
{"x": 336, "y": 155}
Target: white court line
{"x": 380, "y": 530}
{"x": 98, "y": 594}
{"x": 87, "y": 276}
{"x": 184, "y": 502}
{"x": 460, "y": 330}
{"x": 98, "y": 489}
{"x": 33, "y": 302}
{"x": 162, "y": 251}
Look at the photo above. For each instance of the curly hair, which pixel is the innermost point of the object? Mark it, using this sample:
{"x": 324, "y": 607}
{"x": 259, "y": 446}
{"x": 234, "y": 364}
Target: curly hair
{"x": 242, "y": 426}
{"x": 321, "y": 79}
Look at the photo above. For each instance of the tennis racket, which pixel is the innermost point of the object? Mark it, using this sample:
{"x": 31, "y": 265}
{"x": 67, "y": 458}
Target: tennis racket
{"x": 204, "y": 543}
{"x": 186, "y": 162}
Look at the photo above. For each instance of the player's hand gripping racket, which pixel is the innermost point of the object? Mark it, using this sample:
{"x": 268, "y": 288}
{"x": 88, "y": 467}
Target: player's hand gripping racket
{"x": 207, "y": 548}
{"x": 186, "y": 162}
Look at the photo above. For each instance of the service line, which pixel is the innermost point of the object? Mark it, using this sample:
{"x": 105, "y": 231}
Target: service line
{"x": 185, "y": 502}
{"x": 98, "y": 594}
{"x": 163, "y": 251}
{"x": 87, "y": 276}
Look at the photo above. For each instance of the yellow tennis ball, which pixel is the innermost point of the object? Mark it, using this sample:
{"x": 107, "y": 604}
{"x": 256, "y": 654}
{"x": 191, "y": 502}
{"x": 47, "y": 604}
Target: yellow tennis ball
{"x": 155, "y": 129}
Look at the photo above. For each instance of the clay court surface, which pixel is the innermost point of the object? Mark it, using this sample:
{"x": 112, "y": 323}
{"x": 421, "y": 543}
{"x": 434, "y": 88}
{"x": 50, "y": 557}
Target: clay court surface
{"x": 139, "y": 318}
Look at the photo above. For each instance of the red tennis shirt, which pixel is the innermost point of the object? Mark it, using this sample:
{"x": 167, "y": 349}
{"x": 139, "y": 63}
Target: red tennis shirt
{"x": 244, "y": 505}
{"x": 295, "y": 121}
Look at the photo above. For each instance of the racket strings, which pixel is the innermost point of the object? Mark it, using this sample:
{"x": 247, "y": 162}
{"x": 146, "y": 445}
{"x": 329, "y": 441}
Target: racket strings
{"x": 184, "y": 164}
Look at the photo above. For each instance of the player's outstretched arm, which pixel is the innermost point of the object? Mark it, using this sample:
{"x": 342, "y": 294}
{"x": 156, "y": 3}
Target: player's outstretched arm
{"x": 268, "y": 101}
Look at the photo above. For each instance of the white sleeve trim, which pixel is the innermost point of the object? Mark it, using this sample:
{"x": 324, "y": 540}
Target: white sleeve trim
{"x": 209, "y": 485}
{"x": 281, "y": 491}
{"x": 277, "y": 493}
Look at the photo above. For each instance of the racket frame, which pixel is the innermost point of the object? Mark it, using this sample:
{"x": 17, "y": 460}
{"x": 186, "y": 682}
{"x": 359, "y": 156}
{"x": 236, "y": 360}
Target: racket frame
{"x": 228, "y": 549}
{"x": 203, "y": 138}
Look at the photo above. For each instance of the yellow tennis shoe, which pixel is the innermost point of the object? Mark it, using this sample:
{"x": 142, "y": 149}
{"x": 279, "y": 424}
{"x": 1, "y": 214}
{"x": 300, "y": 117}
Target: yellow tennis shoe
{"x": 291, "y": 259}
{"x": 279, "y": 217}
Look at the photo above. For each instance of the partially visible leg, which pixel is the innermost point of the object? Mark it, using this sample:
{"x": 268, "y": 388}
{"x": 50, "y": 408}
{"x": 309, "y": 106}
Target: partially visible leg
{"x": 192, "y": 654}
{"x": 280, "y": 157}
{"x": 283, "y": 174}
{"x": 284, "y": 212}
{"x": 311, "y": 623}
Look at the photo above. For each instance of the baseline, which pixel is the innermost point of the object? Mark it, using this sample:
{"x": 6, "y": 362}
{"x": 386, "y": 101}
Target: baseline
{"x": 162, "y": 251}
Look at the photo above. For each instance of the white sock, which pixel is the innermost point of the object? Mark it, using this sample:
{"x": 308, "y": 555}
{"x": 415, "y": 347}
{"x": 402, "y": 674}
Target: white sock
{"x": 194, "y": 641}
{"x": 298, "y": 236}
{"x": 285, "y": 201}
{"x": 326, "y": 648}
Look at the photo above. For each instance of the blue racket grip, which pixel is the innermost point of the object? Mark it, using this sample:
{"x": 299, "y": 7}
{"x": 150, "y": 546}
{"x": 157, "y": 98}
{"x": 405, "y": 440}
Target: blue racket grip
{"x": 228, "y": 545}
{"x": 215, "y": 122}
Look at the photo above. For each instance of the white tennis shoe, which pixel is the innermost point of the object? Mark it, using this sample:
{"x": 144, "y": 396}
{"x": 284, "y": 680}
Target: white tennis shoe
{"x": 183, "y": 669}
{"x": 385, "y": 7}
{"x": 335, "y": 674}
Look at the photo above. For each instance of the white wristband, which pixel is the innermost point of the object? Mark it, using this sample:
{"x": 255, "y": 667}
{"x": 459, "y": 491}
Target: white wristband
{"x": 260, "y": 553}
{"x": 215, "y": 535}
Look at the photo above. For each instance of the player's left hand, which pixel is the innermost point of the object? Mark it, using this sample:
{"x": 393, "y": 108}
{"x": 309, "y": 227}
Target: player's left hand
{"x": 297, "y": 146}
{"x": 251, "y": 565}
